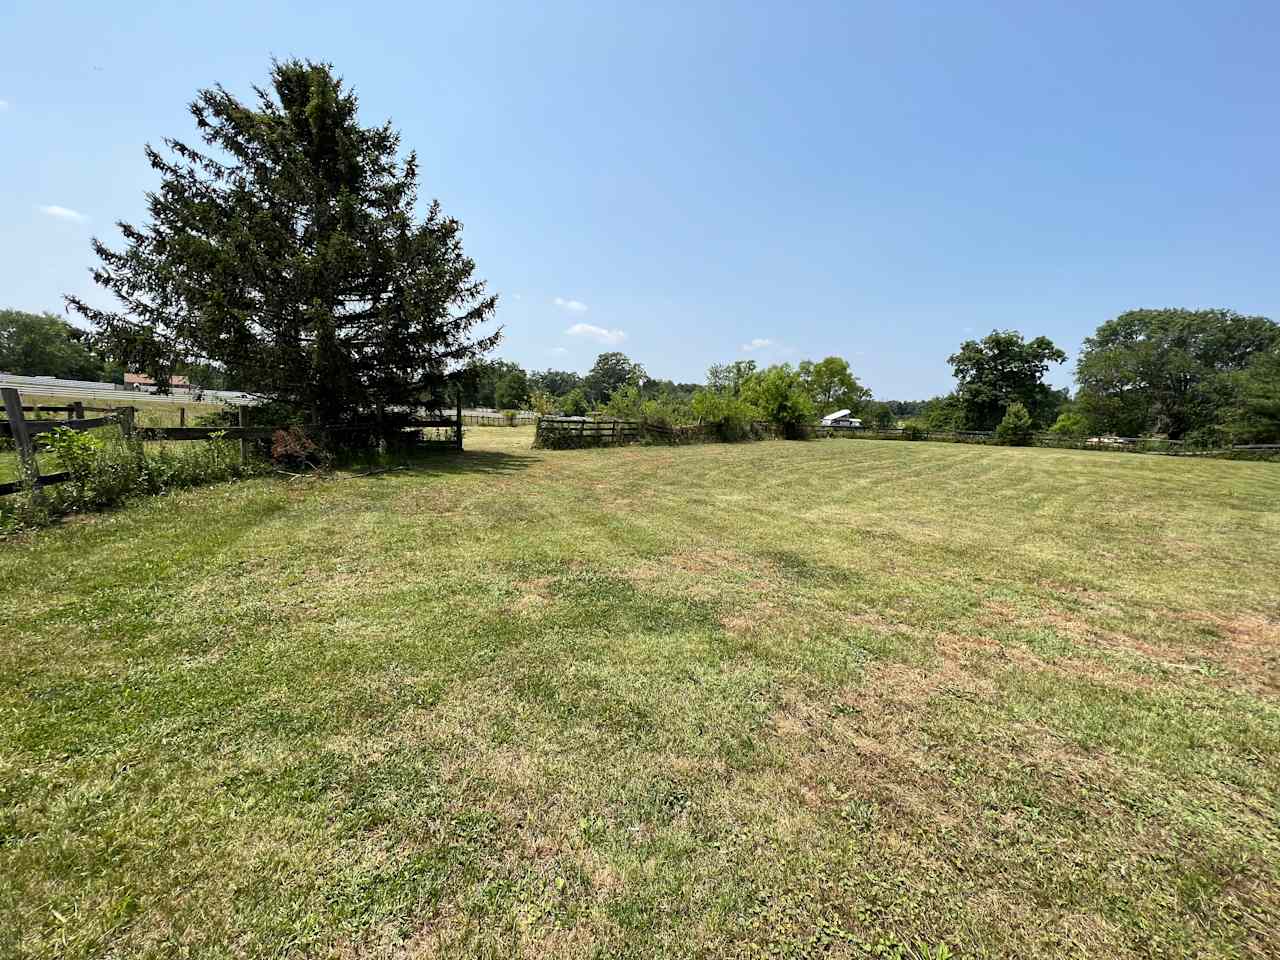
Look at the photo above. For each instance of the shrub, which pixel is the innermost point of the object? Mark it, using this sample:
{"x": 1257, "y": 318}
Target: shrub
{"x": 914, "y": 430}
{"x": 1016, "y": 429}
{"x": 731, "y": 415}
{"x": 1070, "y": 426}
{"x": 780, "y": 395}
{"x": 574, "y": 403}
{"x": 542, "y": 403}
{"x": 102, "y": 472}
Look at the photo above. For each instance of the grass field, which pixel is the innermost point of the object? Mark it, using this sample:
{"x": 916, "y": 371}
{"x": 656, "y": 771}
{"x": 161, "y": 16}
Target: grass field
{"x": 838, "y": 698}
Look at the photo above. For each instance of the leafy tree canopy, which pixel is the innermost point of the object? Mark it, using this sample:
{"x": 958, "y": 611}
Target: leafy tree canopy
{"x": 45, "y": 345}
{"x": 611, "y": 372}
{"x": 512, "y": 391}
{"x": 1001, "y": 369}
{"x": 780, "y": 395}
{"x": 290, "y": 255}
{"x": 555, "y": 382}
{"x": 832, "y": 385}
{"x": 729, "y": 377}
{"x": 479, "y": 381}
{"x": 1168, "y": 371}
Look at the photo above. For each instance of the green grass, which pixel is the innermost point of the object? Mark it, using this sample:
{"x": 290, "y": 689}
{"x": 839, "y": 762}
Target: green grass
{"x": 786, "y": 699}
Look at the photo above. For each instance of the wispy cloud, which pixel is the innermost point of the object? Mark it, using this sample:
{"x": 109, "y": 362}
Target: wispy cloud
{"x": 558, "y": 351}
{"x": 4, "y": 105}
{"x": 64, "y": 213}
{"x": 573, "y": 306}
{"x": 599, "y": 334}
{"x": 759, "y": 343}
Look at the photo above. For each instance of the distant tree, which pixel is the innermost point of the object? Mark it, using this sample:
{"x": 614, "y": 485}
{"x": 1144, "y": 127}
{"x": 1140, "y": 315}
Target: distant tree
{"x": 1253, "y": 415}
{"x": 45, "y": 345}
{"x": 879, "y": 415}
{"x": 906, "y": 408}
{"x": 832, "y": 385}
{"x": 610, "y": 372}
{"x": 574, "y": 403}
{"x": 942, "y": 413}
{"x": 291, "y": 256}
{"x": 512, "y": 391}
{"x": 1001, "y": 369}
{"x": 479, "y": 381}
{"x": 555, "y": 382}
{"x": 1016, "y": 429}
{"x": 780, "y": 395}
{"x": 729, "y": 377}
{"x": 1167, "y": 371}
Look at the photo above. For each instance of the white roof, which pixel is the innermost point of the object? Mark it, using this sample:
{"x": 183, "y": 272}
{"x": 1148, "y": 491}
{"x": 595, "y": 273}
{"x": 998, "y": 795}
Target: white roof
{"x": 838, "y": 415}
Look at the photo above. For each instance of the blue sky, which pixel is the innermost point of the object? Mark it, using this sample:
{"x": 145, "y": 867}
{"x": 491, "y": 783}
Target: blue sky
{"x": 693, "y": 183}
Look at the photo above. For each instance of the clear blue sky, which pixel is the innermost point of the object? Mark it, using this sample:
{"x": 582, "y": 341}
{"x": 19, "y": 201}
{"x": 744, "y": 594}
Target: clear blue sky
{"x": 875, "y": 180}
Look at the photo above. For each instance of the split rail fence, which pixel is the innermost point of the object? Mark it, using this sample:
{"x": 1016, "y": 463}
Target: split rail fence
{"x": 24, "y": 433}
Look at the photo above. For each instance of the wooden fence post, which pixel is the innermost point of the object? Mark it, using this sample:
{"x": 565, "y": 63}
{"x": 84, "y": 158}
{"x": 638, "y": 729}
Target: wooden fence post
{"x": 30, "y": 472}
{"x": 458, "y": 428}
{"x": 244, "y": 444}
{"x": 182, "y": 416}
{"x": 77, "y": 410}
{"x": 126, "y": 423}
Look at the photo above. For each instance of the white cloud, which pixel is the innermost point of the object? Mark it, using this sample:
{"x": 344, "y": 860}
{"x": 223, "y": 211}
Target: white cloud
{"x": 573, "y": 306}
{"x": 4, "y": 105}
{"x": 759, "y": 343}
{"x": 599, "y": 334}
{"x": 64, "y": 213}
{"x": 558, "y": 351}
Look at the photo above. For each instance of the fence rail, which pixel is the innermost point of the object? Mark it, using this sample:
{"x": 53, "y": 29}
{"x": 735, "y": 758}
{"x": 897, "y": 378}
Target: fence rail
{"x": 23, "y": 432}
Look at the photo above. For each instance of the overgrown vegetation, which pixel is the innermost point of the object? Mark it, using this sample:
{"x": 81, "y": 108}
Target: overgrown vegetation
{"x": 523, "y": 704}
{"x": 106, "y": 471}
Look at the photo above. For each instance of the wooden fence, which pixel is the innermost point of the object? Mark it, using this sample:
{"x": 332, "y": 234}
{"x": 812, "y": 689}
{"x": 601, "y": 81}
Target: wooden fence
{"x": 481, "y": 418}
{"x": 24, "y": 432}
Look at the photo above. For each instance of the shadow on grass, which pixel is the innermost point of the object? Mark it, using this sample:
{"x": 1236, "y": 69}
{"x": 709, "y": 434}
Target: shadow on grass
{"x": 482, "y": 462}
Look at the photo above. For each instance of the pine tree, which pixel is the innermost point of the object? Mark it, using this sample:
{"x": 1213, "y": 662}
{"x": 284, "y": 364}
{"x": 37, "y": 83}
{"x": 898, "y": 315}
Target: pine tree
{"x": 289, "y": 255}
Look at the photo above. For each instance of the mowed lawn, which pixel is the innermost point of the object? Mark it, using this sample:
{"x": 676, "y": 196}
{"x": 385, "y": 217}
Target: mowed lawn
{"x": 837, "y": 698}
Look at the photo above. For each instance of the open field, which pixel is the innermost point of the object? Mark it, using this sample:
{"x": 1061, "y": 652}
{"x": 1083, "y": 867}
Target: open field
{"x": 811, "y": 699}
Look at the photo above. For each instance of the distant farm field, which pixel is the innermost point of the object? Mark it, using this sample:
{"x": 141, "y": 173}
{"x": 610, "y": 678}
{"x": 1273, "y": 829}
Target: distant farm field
{"x": 836, "y": 698}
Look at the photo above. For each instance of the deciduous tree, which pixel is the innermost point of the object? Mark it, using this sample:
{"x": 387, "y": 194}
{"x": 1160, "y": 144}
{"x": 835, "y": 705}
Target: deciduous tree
{"x": 1003, "y": 368}
{"x": 1167, "y": 371}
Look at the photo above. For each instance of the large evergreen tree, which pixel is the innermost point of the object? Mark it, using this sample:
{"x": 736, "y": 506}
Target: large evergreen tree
{"x": 290, "y": 255}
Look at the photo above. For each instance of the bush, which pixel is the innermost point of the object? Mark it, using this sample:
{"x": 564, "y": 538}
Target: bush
{"x": 780, "y": 395}
{"x": 1070, "y": 426}
{"x": 731, "y": 416}
{"x": 102, "y": 472}
{"x": 914, "y": 430}
{"x": 1016, "y": 429}
{"x": 574, "y": 403}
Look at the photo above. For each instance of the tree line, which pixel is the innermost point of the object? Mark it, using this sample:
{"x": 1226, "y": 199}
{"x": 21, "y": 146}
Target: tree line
{"x": 1205, "y": 376}
{"x": 285, "y": 255}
